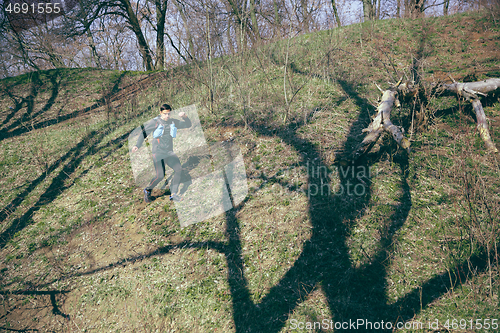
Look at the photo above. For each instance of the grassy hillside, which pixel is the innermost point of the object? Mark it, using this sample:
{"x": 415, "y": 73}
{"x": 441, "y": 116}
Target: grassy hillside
{"x": 396, "y": 238}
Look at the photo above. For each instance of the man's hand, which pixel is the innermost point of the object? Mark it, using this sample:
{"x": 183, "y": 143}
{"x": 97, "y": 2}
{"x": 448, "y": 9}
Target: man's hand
{"x": 182, "y": 115}
{"x": 135, "y": 149}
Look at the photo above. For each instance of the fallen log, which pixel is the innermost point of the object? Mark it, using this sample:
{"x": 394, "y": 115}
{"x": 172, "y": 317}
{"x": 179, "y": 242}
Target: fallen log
{"x": 381, "y": 122}
{"x": 469, "y": 91}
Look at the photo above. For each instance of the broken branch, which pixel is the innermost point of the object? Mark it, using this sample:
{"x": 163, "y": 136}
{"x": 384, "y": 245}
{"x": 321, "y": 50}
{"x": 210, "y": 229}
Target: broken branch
{"x": 382, "y": 120}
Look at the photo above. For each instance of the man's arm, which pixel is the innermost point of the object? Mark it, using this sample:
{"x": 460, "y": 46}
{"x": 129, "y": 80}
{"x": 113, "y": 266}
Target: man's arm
{"x": 185, "y": 123}
{"x": 148, "y": 128}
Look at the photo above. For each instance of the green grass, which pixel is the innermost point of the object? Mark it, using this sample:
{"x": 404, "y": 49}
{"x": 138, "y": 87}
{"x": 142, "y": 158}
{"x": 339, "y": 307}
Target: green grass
{"x": 411, "y": 245}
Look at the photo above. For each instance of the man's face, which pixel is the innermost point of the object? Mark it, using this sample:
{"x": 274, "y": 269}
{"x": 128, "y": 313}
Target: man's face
{"x": 165, "y": 114}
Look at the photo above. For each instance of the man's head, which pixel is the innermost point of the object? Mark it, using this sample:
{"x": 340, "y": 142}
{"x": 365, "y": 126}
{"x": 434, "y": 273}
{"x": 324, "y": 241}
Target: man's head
{"x": 165, "y": 111}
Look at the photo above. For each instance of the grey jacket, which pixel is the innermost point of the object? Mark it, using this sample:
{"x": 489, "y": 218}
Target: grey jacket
{"x": 162, "y": 146}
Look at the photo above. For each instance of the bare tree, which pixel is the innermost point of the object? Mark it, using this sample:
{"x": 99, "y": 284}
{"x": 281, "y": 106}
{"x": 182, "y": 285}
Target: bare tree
{"x": 115, "y": 38}
{"x": 306, "y": 15}
{"x": 369, "y": 9}
{"x": 238, "y": 9}
{"x": 181, "y": 8}
{"x": 79, "y": 22}
{"x": 415, "y": 8}
{"x": 446, "y": 6}
{"x": 161, "y": 10}
{"x": 272, "y": 20}
{"x": 253, "y": 16}
{"x": 41, "y": 47}
{"x": 124, "y": 8}
{"x": 335, "y": 13}
{"x": 277, "y": 19}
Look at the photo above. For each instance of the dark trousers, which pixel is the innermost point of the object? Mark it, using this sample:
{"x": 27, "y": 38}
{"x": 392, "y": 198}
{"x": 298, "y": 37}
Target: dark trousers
{"x": 173, "y": 162}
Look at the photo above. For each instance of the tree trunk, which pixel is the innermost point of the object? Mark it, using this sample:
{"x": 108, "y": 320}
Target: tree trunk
{"x": 367, "y": 10}
{"x": 253, "y": 16}
{"x": 95, "y": 55}
{"x": 136, "y": 28}
{"x": 161, "y": 11}
{"x": 335, "y": 13}
{"x": 482, "y": 126}
{"x": 470, "y": 92}
{"x": 416, "y": 8}
{"x": 446, "y": 6}
{"x": 229, "y": 37}
{"x": 381, "y": 122}
{"x": 305, "y": 15}
{"x": 191, "y": 51}
{"x": 241, "y": 29}
{"x": 90, "y": 37}
{"x": 277, "y": 21}
{"x": 246, "y": 31}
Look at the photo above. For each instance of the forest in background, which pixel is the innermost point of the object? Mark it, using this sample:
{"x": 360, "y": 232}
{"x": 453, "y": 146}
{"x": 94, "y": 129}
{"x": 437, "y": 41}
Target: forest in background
{"x": 161, "y": 34}
{"x": 415, "y": 240}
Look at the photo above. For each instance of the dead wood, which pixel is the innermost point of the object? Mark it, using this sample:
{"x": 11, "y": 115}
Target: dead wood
{"x": 469, "y": 91}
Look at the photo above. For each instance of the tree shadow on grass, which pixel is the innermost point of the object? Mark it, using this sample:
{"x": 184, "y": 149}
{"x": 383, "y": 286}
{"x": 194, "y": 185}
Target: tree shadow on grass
{"x": 59, "y": 183}
{"x": 352, "y": 292}
{"x": 325, "y": 262}
{"x": 52, "y": 296}
{"x": 27, "y": 122}
{"x": 18, "y": 101}
{"x": 29, "y": 101}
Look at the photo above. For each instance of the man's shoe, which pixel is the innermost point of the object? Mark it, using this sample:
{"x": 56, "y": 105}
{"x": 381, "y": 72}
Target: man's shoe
{"x": 147, "y": 195}
{"x": 175, "y": 197}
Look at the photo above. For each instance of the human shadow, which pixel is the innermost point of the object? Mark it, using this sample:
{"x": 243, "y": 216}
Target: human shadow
{"x": 192, "y": 160}
{"x": 186, "y": 178}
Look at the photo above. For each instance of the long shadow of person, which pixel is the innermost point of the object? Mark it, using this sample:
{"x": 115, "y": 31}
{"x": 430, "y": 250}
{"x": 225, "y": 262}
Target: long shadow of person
{"x": 187, "y": 167}
{"x": 192, "y": 165}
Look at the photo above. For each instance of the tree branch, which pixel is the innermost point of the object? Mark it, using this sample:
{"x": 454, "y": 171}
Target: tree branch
{"x": 382, "y": 121}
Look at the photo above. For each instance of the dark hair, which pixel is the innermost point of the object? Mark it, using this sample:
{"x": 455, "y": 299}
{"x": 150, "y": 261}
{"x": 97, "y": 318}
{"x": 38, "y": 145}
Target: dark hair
{"x": 165, "y": 107}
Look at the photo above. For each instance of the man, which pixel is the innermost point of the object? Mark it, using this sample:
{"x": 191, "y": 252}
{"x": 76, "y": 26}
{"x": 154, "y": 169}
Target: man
{"x": 164, "y": 129}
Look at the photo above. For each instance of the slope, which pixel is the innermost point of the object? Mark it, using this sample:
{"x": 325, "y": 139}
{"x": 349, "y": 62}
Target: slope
{"x": 396, "y": 238}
